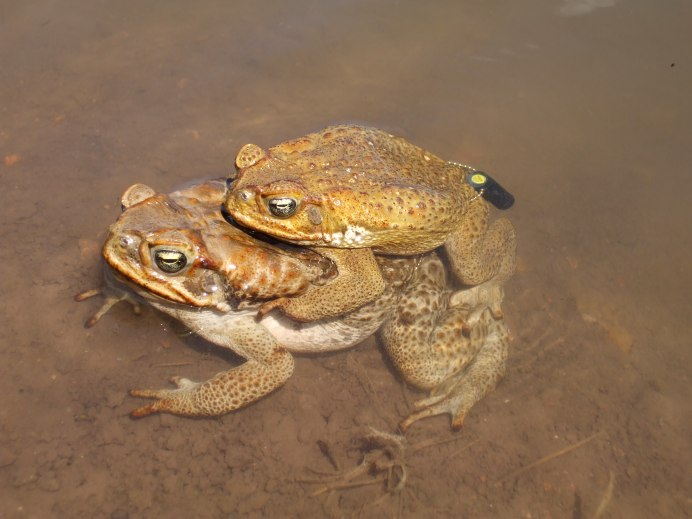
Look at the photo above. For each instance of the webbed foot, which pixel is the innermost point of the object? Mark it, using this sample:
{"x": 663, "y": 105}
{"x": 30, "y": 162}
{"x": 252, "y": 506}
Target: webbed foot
{"x": 458, "y": 394}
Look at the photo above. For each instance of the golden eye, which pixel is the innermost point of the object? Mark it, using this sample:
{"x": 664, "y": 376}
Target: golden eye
{"x": 170, "y": 261}
{"x": 282, "y": 207}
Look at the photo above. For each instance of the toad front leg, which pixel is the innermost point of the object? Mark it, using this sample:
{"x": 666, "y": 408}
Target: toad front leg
{"x": 359, "y": 281}
{"x": 268, "y": 366}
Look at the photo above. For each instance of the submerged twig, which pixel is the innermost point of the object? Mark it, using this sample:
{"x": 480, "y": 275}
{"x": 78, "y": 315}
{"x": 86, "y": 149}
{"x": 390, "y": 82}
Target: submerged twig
{"x": 344, "y": 486}
{"x": 174, "y": 364}
{"x": 606, "y": 497}
{"x": 383, "y": 458}
{"x": 432, "y": 443}
{"x": 549, "y": 457}
{"x": 327, "y": 453}
{"x": 383, "y": 462}
{"x": 464, "y": 448}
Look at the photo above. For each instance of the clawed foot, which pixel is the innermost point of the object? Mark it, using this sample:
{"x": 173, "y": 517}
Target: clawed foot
{"x": 175, "y": 401}
{"x": 112, "y": 296}
{"x": 453, "y": 404}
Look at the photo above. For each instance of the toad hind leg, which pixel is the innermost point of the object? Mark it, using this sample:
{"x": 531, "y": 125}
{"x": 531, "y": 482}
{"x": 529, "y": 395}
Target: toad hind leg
{"x": 359, "y": 282}
{"x": 479, "y": 252}
{"x": 426, "y": 341}
{"x": 268, "y": 367}
{"x": 460, "y": 393}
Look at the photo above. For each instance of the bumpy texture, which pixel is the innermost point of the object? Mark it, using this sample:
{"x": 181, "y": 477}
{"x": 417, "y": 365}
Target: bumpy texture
{"x": 210, "y": 261}
{"x": 352, "y": 288}
{"x": 350, "y": 187}
{"x": 268, "y": 366}
{"x": 425, "y": 323}
{"x": 431, "y": 345}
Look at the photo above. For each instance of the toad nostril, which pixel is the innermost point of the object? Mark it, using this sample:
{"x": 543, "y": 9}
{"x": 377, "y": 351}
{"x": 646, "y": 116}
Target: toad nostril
{"x": 244, "y": 195}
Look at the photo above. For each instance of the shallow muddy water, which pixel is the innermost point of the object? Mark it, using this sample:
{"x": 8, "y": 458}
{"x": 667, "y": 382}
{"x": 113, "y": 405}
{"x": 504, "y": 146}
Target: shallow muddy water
{"x": 581, "y": 108}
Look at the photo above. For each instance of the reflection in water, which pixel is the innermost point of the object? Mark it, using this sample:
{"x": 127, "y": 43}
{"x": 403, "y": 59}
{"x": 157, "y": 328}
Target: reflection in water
{"x": 577, "y": 7}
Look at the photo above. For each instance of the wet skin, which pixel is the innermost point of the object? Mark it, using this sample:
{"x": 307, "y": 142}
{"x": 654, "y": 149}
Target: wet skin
{"x": 178, "y": 254}
{"x": 350, "y": 191}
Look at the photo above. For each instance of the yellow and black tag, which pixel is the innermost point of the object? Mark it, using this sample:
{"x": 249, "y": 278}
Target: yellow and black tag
{"x": 489, "y": 189}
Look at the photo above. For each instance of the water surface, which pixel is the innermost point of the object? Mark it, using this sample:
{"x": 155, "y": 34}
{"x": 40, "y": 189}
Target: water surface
{"x": 580, "y": 107}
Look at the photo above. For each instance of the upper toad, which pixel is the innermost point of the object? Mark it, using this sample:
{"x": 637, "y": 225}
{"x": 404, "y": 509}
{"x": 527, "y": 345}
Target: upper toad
{"x": 349, "y": 191}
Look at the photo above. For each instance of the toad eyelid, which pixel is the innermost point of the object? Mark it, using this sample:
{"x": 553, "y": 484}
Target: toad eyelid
{"x": 299, "y": 198}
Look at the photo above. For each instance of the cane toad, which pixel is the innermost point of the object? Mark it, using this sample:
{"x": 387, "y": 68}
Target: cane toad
{"x": 359, "y": 190}
{"x": 178, "y": 254}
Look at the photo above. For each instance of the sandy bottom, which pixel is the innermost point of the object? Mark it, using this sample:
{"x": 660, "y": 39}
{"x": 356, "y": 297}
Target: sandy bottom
{"x": 580, "y": 108}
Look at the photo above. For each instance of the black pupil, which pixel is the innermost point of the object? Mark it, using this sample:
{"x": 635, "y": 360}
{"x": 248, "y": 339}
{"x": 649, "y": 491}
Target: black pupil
{"x": 170, "y": 261}
{"x": 282, "y": 206}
